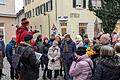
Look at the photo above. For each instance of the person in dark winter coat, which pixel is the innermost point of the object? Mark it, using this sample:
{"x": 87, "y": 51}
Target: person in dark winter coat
{"x": 108, "y": 67}
{"x": 68, "y": 50}
{"x": 95, "y": 57}
{"x": 10, "y": 49}
{"x": 45, "y": 59}
{"x": 39, "y": 48}
{"x": 29, "y": 70}
{"x": 51, "y": 39}
{"x": 2, "y": 54}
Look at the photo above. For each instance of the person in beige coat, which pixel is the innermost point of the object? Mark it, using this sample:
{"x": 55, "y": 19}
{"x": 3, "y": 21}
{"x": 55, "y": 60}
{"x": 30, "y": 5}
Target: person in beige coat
{"x": 54, "y": 60}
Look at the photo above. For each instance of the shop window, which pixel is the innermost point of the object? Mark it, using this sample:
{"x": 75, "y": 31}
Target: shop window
{"x": 63, "y": 24}
{"x": 82, "y": 28}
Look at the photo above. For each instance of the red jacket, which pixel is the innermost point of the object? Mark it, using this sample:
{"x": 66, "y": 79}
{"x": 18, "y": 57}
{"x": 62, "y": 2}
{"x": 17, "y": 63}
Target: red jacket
{"x": 20, "y": 34}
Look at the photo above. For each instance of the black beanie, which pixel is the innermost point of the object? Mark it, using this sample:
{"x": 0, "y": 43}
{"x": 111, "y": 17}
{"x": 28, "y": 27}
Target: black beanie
{"x": 81, "y": 51}
{"x": 28, "y": 37}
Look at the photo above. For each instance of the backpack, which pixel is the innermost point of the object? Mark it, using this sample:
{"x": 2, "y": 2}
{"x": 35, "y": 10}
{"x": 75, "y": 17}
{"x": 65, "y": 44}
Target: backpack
{"x": 17, "y": 56}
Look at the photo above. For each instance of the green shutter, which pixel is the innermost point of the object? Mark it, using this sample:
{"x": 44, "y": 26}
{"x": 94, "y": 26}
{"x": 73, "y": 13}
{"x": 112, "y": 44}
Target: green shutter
{"x": 84, "y": 4}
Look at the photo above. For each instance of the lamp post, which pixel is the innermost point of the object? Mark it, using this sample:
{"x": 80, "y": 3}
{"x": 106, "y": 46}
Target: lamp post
{"x": 48, "y": 15}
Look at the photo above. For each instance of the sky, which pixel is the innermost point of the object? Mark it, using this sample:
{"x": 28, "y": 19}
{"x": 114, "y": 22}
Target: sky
{"x": 18, "y": 5}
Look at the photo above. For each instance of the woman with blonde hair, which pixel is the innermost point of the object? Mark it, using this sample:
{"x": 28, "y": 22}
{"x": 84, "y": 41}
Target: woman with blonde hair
{"x": 108, "y": 67}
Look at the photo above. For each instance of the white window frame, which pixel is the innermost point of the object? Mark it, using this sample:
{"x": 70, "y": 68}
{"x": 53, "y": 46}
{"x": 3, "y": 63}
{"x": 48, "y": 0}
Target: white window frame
{"x": 2, "y": 1}
{"x": 79, "y": 4}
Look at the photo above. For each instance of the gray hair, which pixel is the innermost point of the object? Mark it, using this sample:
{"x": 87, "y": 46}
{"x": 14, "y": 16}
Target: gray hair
{"x": 107, "y": 51}
{"x": 117, "y": 47}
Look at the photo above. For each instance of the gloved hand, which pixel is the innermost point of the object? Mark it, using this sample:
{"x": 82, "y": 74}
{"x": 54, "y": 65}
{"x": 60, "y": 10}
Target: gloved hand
{"x": 52, "y": 60}
{"x": 75, "y": 58}
{"x": 36, "y": 31}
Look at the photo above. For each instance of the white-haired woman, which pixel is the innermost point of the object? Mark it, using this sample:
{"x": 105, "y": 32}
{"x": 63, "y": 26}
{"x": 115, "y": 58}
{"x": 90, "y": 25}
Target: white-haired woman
{"x": 54, "y": 60}
{"x": 108, "y": 67}
{"x": 79, "y": 41}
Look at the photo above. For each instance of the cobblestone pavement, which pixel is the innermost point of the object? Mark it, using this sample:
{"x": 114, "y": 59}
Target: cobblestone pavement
{"x": 6, "y": 70}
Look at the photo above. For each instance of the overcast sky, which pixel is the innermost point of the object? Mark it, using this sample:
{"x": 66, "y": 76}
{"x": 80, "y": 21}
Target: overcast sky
{"x": 18, "y": 5}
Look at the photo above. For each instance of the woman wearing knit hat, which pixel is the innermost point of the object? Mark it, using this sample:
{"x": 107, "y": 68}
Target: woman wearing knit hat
{"x": 82, "y": 66}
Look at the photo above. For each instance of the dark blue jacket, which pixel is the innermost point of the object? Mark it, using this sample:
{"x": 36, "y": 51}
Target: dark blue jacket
{"x": 68, "y": 56}
{"x": 2, "y": 47}
{"x": 9, "y": 50}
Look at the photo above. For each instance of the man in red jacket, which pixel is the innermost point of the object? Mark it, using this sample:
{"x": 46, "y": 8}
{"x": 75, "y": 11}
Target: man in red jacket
{"x": 23, "y": 30}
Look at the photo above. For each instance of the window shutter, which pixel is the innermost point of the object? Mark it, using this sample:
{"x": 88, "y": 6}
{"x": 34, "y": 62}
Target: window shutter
{"x": 51, "y": 5}
{"x": 84, "y": 4}
{"x": 47, "y": 6}
{"x": 74, "y": 3}
{"x": 44, "y": 8}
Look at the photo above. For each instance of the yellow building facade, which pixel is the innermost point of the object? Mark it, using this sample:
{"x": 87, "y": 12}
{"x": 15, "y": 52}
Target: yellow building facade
{"x": 7, "y": 19}
{"x": 68, "y": 16}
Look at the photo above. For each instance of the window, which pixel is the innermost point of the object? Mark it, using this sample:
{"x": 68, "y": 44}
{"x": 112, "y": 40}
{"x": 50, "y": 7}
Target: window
{"x": 1, "y": 24}
{"x": 79, "y": 4}
{"x": 1, "y": 1}
{"x": 42, "y": 9}
{"x": 29, "y": 1}
{"x": 49, "y": 6}
{"x": 28, "y": 14}
{"x": 96, "y": 3}
{"x": 37, "y": 10}
{"x": 82, "y": 28}
{"x": 33, "y": 13}
{"x": 26, "y": 2}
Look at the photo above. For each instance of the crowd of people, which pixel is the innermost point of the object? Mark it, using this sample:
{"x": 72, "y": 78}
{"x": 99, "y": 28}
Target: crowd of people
{"x": 79, "y": 59}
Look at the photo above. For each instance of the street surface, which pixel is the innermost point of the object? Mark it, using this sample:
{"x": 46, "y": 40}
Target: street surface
{"x": 6, "y": 70}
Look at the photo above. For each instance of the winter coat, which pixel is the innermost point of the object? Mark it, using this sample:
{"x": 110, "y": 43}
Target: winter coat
{"x": 39, "y": 46}
{"x": 68, "y": 55}
{"x": 107, "y": 69}
{"x": 50, "y": 42}
{"x": 20, "y": 34}
{"x": 54, "y": 54}
{"x": 81, "y": 69}
{"x": 2, "y": 47}
{"x": 30, "y": 68}
{"x": 9, "y": 50}
{"x": 2, "y": 53}
{"x": 45, "y": 52}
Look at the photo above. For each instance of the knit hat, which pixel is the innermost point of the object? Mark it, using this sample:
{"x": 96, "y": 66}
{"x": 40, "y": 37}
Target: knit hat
{"x": 28, "y": 37}
{"x": 25, "y": 22}
{"x": 81, "y": 51}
